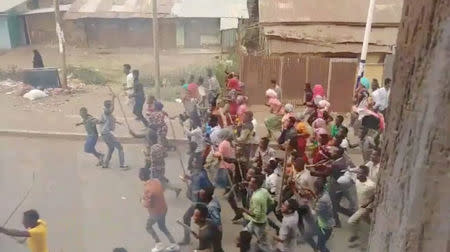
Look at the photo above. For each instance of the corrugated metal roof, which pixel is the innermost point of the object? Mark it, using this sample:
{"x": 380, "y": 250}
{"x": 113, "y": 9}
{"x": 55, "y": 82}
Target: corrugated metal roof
{"x": 331, "y": 34}
{"x": 229, "y": 23}
{"x": 117, "y": 9}
{"x": 63, "y": 7}
{"x": 210, "y": 8}
{"x": 6, "y": 5}
{"x": 166, "y": 8}
{"x": 331, "y": 11}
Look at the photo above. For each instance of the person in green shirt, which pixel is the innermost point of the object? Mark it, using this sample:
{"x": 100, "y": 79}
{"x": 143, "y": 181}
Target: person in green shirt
{"x": 260, "y": 201}
{"x": 337, "y": 125}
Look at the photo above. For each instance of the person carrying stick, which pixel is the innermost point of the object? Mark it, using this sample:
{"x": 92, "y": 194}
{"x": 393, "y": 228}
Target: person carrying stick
{"x": 108, "y": 122}
{"x": 36, "y": 233}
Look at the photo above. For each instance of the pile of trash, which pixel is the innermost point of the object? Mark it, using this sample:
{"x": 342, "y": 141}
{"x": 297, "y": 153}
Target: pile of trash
{"x": 18, "y": 88}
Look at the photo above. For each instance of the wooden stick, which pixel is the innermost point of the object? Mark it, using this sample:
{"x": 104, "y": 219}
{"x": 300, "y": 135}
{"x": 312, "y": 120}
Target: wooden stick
{"x": 22, "y": 200}
{"x": 232, "y": 186}
{"x": 187, "y": 227}
{"x": 282, "y": 177}
{"x": 176, "y": 149}
{"x": 121, "y": 107}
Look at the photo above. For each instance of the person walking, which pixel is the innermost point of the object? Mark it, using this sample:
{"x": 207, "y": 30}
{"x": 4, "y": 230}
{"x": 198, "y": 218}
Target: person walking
{"x": 208, "y": 235}
{"x": 108, "y": 122}
{"x": 324, "y": 212}
{"x": 37, "y": 59}
{"x": 90, "y": 124}
{"x": 366, "y": 190}
{"x": 287, "y": 239}
{"x": 154, "y": 201}
{"x": 256, "y": 215}
{"x": 139, "y": 98}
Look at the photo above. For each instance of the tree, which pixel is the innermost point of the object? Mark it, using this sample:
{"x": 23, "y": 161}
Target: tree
{"x": 413, "y": 203}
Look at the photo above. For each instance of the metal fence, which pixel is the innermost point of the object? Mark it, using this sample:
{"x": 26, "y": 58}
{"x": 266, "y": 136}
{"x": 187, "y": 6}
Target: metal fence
{"x": 337, "y": 76}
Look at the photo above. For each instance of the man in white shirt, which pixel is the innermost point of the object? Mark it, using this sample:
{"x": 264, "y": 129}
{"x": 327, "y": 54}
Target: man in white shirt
{"x": 365, "y": 189}
{"x": 381, "y": 96}
{"x": 129, "y": 83}
{"x": 273, "y": 178}
{"x": 374, "y": 164}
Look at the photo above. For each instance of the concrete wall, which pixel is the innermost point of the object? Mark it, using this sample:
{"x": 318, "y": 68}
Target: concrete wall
{"x": 5, "y": 42}
{"x": 375, "y": 67}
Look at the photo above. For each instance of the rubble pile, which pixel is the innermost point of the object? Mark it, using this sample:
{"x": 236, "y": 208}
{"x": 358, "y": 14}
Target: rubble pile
{"x": 18, "y": 88}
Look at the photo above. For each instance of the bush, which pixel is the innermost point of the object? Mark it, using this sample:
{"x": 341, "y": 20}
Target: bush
{"x": 171, "y": 82}
{"x": 86, "y": 75}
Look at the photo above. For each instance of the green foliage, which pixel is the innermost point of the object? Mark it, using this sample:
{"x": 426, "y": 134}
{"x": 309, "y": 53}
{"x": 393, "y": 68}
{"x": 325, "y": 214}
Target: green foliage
{"x": 171, "y": 82}
{"x": 87, "y": 75}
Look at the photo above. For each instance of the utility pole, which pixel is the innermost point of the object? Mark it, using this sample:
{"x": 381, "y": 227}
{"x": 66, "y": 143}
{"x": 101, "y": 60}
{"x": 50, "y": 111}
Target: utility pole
{"x": 362, "y": 61}
{"x": 156, "y": 46}
{"x": 62, "y": 49}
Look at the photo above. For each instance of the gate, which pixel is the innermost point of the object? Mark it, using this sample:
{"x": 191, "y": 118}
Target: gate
{"x": 337, "y": 76}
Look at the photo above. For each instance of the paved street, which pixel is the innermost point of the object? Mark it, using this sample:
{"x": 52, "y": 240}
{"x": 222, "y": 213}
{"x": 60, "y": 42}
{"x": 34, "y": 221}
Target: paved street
{"x": 89, "y": 209}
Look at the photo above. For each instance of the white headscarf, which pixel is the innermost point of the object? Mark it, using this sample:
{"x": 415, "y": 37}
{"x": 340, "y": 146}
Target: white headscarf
{"x": 288, "y": 108}
{"x": 271, "y": 93}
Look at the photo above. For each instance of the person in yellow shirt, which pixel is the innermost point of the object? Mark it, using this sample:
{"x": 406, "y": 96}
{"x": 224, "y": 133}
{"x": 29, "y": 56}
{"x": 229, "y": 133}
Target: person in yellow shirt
{"x": 36, "y": 232}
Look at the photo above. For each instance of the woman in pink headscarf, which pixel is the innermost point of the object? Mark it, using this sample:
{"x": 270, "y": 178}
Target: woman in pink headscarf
{"x": 318, "y": 93}
{"x": 242, "y": 102}
{"x": 273, "y": 123}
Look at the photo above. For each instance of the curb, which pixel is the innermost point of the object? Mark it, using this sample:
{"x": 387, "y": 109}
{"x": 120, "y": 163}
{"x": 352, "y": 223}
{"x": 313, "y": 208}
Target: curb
{"x": 81, "y": 137}
{"x": 74, "y": 136}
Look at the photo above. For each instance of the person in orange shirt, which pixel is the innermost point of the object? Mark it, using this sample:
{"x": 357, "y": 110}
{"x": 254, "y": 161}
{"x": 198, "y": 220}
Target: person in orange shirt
{"x": 36, "y": 232}
{"x": 153, "y": 199}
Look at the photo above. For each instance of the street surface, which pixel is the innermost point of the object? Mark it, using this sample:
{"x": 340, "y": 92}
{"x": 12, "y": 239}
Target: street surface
{"x": 89, "y": 209}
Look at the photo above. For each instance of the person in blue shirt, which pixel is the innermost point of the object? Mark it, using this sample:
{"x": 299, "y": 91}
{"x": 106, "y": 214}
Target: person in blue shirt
{"x": 197, "y": 181}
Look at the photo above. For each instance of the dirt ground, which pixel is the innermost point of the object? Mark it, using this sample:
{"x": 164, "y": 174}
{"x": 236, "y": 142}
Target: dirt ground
{"x": 110, "y": 61}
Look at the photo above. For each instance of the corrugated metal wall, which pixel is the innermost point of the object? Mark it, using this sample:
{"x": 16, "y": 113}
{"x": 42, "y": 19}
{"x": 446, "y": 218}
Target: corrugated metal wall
{"x": 341, "y": 84}
{"x": 338, "y": 77}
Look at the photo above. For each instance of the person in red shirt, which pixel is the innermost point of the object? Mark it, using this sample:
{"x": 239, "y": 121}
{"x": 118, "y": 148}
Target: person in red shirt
{"x": 153, "y": 199}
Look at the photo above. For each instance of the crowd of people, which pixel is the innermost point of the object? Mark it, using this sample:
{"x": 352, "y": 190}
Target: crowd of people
{"x": 292, "y": 180}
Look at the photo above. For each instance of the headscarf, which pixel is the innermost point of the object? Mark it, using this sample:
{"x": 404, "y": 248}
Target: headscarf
{"x": 288, "y": 108}
{"x": 318, "y": 91}
{"x": 319, "y": 123}
{"x": 224, "y": 134}
{"x": 300, "y": 116}
{"x": 324, "y": 104}
{"x": 323, "y": 107}
{"x": 241, "y": 99}
{"x": 321, "y": 131}
{"x": 192, "y": 89}
{"x": 365, "y": 83}
{"x": 271, "y": 93}
{"x": 301, "y": 128}
{"x": 233, "y": 83}
{"x": 158, "y": 106}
